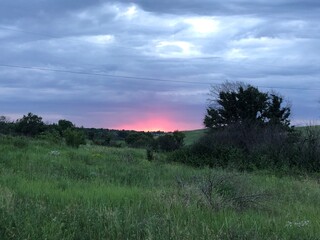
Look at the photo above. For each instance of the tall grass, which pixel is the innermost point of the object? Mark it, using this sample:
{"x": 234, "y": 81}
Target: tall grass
{"x": 51, "y": 191}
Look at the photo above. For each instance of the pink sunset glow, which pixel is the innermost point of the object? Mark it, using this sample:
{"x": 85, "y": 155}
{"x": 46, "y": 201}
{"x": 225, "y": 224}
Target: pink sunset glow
{"x": 157, "y": 123}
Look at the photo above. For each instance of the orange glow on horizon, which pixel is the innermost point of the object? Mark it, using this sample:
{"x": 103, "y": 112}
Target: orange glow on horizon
{"x": 156, "y": 123}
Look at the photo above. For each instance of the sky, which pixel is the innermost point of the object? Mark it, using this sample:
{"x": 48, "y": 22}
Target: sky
{"x": 148, "y": 65}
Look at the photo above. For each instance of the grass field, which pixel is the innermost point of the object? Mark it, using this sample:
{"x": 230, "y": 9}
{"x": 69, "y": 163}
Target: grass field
{"x": 193, "y": 136}
{"x": 54, "y": 192}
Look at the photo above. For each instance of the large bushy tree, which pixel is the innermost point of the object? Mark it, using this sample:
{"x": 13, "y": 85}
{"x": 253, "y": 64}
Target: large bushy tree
{"x": 63, "y": 125}
{"x": 30, "y": 125}
{"x": 240, "y": 103}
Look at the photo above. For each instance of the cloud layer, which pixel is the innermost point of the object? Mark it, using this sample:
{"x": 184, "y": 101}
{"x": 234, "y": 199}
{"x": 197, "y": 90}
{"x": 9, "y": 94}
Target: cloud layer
{"x": 116, "y": 63}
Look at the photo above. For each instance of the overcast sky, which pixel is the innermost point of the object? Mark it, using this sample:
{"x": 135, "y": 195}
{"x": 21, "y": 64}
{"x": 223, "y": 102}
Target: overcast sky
{"x": 149, "y": 64}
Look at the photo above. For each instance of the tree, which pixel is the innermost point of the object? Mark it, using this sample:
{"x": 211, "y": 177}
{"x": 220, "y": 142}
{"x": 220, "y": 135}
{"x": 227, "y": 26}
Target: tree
{"x": 241, "y": 103}
{"x": 63, "y": 125}
{"x": 6, "y": 126}
{"x": 167, "y": 143}
{"x": 179, "y": 138}
{"x": 139, "y": 139}
{"x": 101, "y": 137}
{"x": 30, "y": 125}
{"x": 171, "y": 142}
{"x": 276, "y": 114}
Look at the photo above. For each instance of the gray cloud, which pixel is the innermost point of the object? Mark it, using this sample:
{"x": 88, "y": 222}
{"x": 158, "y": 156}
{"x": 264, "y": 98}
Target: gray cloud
{"x": 233, "y": 7}
{"x": 266, "y": 44}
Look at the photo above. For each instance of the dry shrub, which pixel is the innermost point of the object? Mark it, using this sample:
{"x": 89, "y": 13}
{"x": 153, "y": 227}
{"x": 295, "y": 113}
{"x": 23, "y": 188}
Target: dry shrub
{"x": 220, "y": 191}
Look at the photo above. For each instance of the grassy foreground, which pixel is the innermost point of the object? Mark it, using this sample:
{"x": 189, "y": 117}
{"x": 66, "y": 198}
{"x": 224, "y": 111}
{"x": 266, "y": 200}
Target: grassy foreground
{"x": 54, "y": 192}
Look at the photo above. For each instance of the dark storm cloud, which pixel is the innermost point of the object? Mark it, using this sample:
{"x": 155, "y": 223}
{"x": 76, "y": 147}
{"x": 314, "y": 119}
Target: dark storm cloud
{"x": 36, "y": 8}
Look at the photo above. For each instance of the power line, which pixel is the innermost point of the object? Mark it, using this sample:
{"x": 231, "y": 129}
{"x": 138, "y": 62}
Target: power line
{"x": 140, "y": 78}
{"x": 148, "y": 59}
{"x": 100, "y": 74}
{"x": 291, "y": 88}
{"x": 29, "y": 32}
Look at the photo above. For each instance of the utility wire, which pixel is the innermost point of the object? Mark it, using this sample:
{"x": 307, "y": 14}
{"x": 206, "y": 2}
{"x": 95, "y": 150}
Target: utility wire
{"x": 149, "y": 58}
{"x": 101, "y": 74}
{"x": 29, "y": 32}
{"x": 139, "y": 78}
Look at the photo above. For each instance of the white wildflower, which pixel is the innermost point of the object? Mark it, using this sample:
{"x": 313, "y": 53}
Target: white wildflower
{"x": 55, "y": 153}
{"x": 298, "y": 224}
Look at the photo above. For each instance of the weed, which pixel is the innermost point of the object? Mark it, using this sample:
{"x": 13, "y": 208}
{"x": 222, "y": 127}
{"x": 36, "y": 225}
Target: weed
{"x": 222, "y": 191}
{"x": 20, "y": 142}
{"x": 150, "y": 154}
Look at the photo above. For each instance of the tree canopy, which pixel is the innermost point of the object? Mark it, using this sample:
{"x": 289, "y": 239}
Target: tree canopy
{"x": 30, "y": 125}
{"x": 65, "y": 124}
{"x": 240, "y": 103}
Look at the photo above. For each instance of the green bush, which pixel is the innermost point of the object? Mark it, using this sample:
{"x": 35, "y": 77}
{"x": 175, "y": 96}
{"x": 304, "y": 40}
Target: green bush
{"x": 140, "y": 140}
{"x": 219, "y": 156}
{"x": 171, "y": 142}
{"x": 52, "y": 136}
{"x": 251, "y": 147}
{"x": 74, "y": 138}
{"x": 167, "y": 143}
{"x": 306, "y": 150}
{"x": 150, "y": 154}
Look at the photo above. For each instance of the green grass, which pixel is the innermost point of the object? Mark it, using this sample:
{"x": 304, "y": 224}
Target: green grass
{"x": 193, "y": 136}
{"x": 111, "y": 193}
{"x": 304, "y": 129}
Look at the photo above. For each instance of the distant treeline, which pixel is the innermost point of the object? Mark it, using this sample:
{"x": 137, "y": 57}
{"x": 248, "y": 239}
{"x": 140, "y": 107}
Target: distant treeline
{"x": 64, "y": 131}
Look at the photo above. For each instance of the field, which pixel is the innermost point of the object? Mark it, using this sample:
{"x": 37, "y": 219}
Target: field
{"x": 193, "y": 136}
{"x": 55, "y": 192}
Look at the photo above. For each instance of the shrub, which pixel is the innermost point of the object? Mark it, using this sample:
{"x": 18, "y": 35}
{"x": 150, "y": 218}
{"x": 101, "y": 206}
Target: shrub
{"x": 254, "y": 147}
{"x": 6, "y": 126}
{"x": 171, "y": 142}
{"x": 184, "y": 155}
{"x": 150, "y": 154}
{"x": 200, "y": 154}
{"x": 116, "y": 144}
{"x": 52, "y": 136}
{"x": 233, "y": 191}
{"x": 74, "y": 138}
{"x": 140, "y": 140}
{"x": 167, "y": 143}
{"x": 102, "y": 139}
{"x": 218, "y": 191}
{"x": 307, "y": 149}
